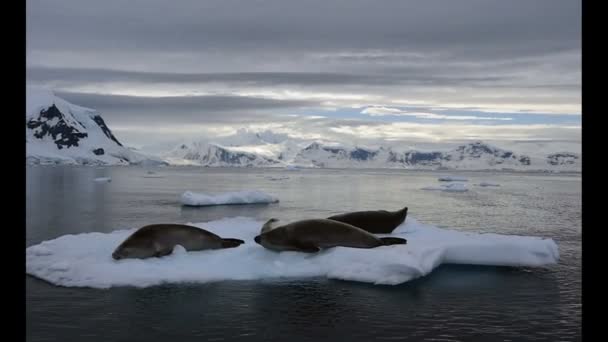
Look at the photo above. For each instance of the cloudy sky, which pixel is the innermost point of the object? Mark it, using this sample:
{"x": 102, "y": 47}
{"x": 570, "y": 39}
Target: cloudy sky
{"x": 415, "y": 71}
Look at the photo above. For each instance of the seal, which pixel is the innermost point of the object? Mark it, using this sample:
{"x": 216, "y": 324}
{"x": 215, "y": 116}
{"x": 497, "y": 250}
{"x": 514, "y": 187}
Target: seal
{"x": 373, "y": 221}
{"x": 158, "y": 240}
{"x": 312, "y": 235}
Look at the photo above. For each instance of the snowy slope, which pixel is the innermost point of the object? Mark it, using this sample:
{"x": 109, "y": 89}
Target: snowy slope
{"x": 243, "y": 149}
{"x": 59, "y": 132}
{"x": 210, "y": 154}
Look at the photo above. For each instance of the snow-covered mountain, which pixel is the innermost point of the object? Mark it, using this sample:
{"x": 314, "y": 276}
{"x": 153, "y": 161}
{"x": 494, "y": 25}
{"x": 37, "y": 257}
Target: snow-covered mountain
{"x": 209, "y": 154}
{"x": 59, "y": 132}
{"x": 285, "y": 152}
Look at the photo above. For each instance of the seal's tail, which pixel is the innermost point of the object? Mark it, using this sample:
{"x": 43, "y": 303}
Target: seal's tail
{"x": 230, "y": 243}
{"x": 404, "y": 213}
{"x": 393, "y": 241}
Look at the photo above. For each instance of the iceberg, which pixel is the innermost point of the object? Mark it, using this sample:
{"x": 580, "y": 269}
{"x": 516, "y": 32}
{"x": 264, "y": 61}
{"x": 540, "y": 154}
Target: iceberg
{"x": 84, "y": 260}
{"x": 277, "y": 178}
{"x": 190, "y": 198}
{"x": 453, "y": 187}
{"x": 452, "y": 179}
{"x": 488, "y": 184}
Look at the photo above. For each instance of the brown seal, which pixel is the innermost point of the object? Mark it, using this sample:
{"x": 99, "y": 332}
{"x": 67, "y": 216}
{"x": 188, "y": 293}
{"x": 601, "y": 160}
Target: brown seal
{"x": 312, "y": 235}
{"x": 159, "y": 240}
{"x": 373, "y": 221}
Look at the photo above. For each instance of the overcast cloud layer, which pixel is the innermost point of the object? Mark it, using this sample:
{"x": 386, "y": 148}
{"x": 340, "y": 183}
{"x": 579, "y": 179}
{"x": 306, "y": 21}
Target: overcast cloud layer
{"x": 220, "y": 65}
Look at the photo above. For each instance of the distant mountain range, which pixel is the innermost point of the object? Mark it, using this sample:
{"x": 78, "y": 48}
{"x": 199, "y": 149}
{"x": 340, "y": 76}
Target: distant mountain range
{"x": 58, "y": 132}
{"x": 471, "y": 156}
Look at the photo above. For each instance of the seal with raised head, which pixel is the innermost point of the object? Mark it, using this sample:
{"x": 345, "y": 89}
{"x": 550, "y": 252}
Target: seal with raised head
{"x": 373, "y": 221}
{"x": 158, "y": 240}
{"x": 312, "y": 235}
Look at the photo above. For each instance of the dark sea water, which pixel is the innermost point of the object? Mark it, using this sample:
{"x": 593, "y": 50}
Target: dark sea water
{"x": 453, "y": 303}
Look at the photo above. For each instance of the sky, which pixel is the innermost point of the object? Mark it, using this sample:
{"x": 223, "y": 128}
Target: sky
{"x": 421, "y": 71}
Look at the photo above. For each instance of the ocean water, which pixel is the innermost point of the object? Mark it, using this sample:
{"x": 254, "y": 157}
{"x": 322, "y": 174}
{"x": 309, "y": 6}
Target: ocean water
{"x": 454, "y": 303}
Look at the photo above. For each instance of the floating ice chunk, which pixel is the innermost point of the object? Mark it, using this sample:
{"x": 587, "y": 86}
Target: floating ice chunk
{"x": 84, "y": 260}
{"x": 452, "y": 187}
{"x": 240, "y": 197}
{"x": 452, "y": 179}
{"x": 103, "y": 179}
{"x": 292, "y": 168}
{"x": 272, "y": 178}
{"x": 488, "y": 184}
{"x": 153, "y": 176}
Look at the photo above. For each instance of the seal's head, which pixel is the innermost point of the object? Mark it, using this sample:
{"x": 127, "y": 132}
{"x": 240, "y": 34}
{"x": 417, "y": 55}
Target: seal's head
{"x": 272, "y": 239}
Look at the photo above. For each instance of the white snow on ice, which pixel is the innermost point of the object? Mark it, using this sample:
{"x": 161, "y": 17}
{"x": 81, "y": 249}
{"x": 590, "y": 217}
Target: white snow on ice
{"x": 452, "y": 187}
{"x": 239, "y": 197}
{"x": 84, "y": 260}
{"x": 452, "y": 179}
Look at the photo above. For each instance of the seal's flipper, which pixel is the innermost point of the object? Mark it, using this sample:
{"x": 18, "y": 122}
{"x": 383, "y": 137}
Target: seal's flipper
{"x": 393, "y": 241}
{"x": 162, "y": 252}
{"x": 306, "y": 248}
{"x": 231, "y": 243}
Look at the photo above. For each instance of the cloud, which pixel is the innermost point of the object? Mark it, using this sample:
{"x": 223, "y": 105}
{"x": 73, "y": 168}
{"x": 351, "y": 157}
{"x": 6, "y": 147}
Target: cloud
{"x": 416, "y": 132}
{"x": 493, "y": 29}
{"x": 209, "y": 109}
{"x": 384, "y": 111}
{"x": 368, "y": 132}
{"x": 225, "y": 63}
{"x": 413, "y": 75}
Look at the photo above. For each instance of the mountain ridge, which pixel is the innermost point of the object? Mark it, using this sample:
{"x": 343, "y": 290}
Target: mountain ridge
{"x": 59, "y": 132}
